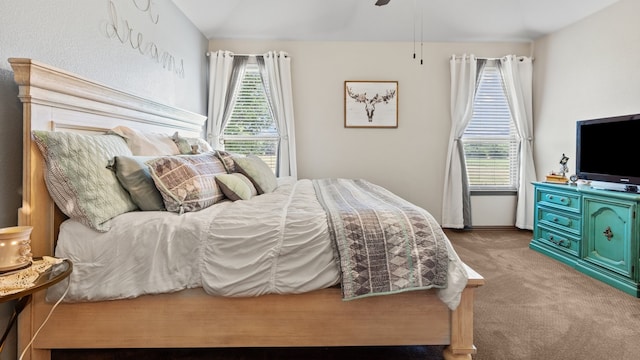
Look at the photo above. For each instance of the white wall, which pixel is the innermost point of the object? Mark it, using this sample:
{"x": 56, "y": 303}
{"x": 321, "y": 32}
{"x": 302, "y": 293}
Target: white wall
{"x": 109, "y": 41}
{"x": 588, "y": 70}
{"x": 408, "y": 160}
{"x": 75, "y": 36}
{"x": 92, "y": 39}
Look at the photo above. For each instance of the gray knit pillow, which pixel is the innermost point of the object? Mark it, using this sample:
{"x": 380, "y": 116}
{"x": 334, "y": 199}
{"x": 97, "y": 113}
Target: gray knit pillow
{"x": 78, "y": 179}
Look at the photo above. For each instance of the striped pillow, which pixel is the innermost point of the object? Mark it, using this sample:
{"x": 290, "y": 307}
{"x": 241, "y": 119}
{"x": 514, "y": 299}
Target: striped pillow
{"x": 187, "y": 182}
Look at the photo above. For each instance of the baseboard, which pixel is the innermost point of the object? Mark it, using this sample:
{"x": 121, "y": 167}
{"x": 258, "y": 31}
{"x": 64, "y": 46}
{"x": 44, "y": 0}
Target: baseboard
{"x": 490, "y": 228}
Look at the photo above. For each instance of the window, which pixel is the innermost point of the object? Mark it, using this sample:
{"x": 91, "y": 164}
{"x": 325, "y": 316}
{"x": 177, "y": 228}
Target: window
{"x": 251, "y": 128}
{"x": 490, "y": 141}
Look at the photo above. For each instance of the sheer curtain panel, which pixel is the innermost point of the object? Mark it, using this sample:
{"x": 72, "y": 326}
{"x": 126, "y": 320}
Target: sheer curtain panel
{"x": 456, "y": 202}
{"x": 517, "y": 74}
{"x": 275, "y": 68}
{"x": 225, "y": 74}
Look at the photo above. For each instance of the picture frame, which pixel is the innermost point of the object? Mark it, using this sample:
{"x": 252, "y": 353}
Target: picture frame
{"x": 370, "y": 104}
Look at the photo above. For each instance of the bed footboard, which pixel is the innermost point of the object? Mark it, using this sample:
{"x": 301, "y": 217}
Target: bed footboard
{"x": 193, "y": 319}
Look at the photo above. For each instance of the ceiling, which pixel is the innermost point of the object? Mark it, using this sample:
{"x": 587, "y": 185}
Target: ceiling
{"x": 400, "y": 20}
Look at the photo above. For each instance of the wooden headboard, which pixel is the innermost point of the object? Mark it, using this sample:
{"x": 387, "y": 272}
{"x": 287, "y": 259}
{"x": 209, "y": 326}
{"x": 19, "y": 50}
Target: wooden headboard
{"x": 57, "y": 100}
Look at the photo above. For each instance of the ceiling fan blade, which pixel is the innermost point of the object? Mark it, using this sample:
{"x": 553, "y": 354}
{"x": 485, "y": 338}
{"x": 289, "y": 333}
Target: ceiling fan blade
{"x": 382, "y": 2}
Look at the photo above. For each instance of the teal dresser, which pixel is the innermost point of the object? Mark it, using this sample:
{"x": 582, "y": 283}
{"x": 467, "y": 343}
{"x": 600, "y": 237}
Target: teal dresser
{"x": 595, "y": 231}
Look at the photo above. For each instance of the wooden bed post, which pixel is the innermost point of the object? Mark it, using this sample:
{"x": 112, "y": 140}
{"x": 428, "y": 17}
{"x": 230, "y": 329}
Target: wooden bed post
{"x": 462, "y": 347}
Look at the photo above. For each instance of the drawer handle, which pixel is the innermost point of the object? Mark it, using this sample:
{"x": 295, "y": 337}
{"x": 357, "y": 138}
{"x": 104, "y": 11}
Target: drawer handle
{"x": 561, "y": 199}
{"x": 562, "y": 242}
{"x": 607, "y": 233}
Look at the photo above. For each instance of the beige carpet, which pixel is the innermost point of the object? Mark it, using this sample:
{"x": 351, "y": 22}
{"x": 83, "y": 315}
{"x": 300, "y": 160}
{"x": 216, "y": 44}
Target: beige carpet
{"x": 532, "y": 308}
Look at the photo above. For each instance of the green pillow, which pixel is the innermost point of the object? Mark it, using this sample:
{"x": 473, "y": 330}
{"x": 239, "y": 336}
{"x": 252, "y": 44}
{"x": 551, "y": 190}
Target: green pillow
{"x": 78, "y": 179}
{"x": 258, "y": 172}
{"x": 236, "y": 186}
{"x": 133, "y": 174}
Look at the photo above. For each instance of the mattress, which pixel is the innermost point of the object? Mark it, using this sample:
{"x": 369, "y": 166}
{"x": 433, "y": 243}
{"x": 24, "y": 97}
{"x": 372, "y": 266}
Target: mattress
{"x": 274, "y": 243}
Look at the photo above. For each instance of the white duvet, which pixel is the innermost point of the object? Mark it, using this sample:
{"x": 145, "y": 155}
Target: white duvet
{"x": 274, "y": 243}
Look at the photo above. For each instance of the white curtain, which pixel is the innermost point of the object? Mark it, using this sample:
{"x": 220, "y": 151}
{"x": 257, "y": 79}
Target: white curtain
{"x": 517, "y": 74}
{"x": 225, "y": 74}
{"x": 456, "y": 211}
{"x": 275, "y": 68}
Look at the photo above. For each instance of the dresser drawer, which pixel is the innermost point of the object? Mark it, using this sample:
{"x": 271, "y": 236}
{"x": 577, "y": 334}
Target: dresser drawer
{"x": 560, "y": 220}
{"x": 564, "y": 200}
{"x": 559, "y": 240}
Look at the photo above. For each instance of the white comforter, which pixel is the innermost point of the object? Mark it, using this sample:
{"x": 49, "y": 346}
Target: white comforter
{"x": 274, "y": 243}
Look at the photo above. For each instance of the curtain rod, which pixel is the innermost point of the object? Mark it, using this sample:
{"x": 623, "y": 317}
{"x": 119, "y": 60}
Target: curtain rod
{"x": 208, "y": 53}
{"x": 457, "y": 57}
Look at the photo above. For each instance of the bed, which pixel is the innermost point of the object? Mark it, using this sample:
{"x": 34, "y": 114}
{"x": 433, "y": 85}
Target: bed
{"x": 56, "y": 100}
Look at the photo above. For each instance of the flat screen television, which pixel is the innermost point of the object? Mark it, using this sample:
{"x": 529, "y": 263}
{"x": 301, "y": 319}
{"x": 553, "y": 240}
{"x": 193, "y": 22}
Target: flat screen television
{"x": 606, "y": 150}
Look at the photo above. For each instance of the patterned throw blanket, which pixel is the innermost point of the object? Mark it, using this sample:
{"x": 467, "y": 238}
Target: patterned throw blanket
{"x": 385, "y": 244}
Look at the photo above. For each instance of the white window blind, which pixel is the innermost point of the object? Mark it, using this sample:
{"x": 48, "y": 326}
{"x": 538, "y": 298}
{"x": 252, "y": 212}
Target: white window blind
{"x": 251, "y": 128}
{"x": 490, "y": 140}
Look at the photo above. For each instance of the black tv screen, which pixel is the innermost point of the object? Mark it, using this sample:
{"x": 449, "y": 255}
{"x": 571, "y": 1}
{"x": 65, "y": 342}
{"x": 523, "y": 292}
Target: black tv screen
{"x": 606, "y": 149}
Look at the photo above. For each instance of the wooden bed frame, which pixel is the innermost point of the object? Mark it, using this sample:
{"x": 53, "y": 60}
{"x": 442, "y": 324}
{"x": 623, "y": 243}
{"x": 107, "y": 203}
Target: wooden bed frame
{"x": 57, "y": 100}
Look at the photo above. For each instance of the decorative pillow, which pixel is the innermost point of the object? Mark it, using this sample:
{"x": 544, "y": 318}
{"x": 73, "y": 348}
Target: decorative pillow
{"x": 227, "y": 161}
{"x": 187, "y": 182}
{"x": 258, "y": 172}
{"x": 146, "y": 143}
{"x": 187, "y": 145}
{"x": 236, "y": 186}
{"x": 134, "y": 176}
{"x": 78, "y": 179}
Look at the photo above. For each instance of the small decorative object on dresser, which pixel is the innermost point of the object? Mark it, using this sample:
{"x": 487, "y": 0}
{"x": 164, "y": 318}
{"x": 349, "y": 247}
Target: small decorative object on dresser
{"x": 574, "y": 179}
{"x": 556, "y": 179}
{"x": 559, "y": 177}
{"x": 564, "y": 168}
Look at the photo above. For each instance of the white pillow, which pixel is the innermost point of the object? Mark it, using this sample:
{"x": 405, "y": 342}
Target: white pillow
{"x": 146, "y": 143}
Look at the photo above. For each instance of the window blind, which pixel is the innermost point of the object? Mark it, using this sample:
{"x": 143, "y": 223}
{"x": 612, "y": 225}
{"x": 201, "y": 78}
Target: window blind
{"x": 251, "y": 128}
{"x": 490, "y": 140}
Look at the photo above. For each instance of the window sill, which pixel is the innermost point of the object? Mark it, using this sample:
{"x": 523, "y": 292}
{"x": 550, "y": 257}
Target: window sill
{"x": 494, "y": 192}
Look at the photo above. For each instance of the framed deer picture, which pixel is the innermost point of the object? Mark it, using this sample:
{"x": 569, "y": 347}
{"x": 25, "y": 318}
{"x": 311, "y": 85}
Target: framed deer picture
{"x": 370, "y": 104}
